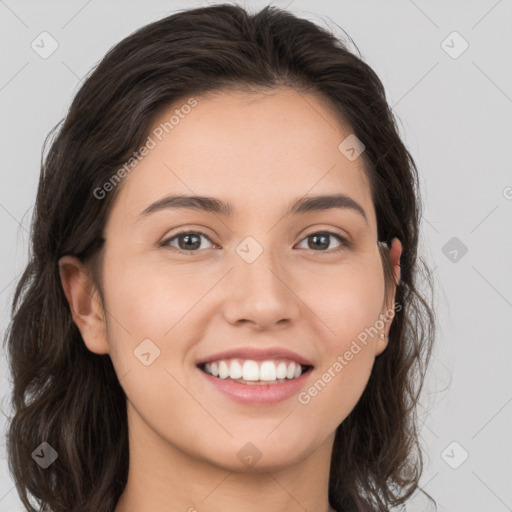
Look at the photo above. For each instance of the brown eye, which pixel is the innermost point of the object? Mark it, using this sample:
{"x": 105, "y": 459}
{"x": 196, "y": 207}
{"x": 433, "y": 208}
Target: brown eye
{"x": 188, "y": 241}
{"x": 320, "y": 241}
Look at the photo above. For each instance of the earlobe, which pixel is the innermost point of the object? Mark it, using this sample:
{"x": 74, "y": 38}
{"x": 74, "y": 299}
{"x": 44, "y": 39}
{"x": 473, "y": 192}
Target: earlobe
{"x": 381, "y": 345}
{"x": 84, "y": 303}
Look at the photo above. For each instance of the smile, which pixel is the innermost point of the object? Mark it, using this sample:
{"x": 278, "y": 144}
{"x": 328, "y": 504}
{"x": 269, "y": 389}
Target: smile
{"x": 248, "y": 371}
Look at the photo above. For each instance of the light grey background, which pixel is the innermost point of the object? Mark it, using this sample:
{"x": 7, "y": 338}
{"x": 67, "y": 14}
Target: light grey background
{"x": 455, "y": 116}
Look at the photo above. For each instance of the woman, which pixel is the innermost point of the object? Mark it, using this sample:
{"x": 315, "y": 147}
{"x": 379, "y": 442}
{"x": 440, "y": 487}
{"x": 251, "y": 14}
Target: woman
{"x": 220, "y": 310}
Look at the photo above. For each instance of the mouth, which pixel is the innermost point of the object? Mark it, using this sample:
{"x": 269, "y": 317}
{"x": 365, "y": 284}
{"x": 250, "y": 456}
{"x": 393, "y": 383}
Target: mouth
{"x": 255, "y": 373}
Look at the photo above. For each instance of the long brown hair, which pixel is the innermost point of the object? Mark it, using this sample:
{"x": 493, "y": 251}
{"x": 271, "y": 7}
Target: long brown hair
{"x": 71, "y": 398}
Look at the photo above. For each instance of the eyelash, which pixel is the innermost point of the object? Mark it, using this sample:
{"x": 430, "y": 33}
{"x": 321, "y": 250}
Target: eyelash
{"x": 344, "y": 242}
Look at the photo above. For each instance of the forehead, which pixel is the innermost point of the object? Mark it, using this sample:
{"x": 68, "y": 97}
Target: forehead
{"x": 248, "y": 149}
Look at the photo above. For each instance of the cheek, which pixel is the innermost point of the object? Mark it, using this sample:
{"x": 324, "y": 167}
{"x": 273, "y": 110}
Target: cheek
{"x": 336, "y": 390}
{"x": 347, "y": 309}
{"x": 347, "y": 353}
{"x": 148, "y": 300}
{"x": 345, "y": 301}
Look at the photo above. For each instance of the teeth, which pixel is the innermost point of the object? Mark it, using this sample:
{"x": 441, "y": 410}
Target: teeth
{"x": 223, "y": 370}
{"x": 268, "y": 371}
{"x": 251, "y": 371}
{"x": 235, "y": 370}
{"x": 281, "y": 370}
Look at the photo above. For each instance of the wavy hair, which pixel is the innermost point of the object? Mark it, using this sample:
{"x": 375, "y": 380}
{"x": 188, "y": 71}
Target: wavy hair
{"x": 71, "y": 398}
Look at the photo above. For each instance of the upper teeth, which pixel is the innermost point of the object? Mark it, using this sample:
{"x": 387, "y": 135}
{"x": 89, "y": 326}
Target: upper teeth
{"x": 248, "y": 369}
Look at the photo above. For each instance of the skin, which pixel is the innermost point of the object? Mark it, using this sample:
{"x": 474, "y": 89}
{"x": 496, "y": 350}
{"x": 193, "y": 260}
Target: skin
{"x": 258, "y": 152}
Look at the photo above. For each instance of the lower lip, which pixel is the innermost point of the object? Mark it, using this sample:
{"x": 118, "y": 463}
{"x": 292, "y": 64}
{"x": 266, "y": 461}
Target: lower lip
{"x": 258, "y": 394}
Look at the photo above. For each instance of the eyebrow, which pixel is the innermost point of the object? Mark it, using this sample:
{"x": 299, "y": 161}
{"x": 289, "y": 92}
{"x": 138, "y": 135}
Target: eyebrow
{"x": 302, "y": 205}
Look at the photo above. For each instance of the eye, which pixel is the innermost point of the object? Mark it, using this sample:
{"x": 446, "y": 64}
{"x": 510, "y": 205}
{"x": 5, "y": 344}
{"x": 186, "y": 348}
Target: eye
{"x": 188, "y": 241}
{"x": 320, "y": 240}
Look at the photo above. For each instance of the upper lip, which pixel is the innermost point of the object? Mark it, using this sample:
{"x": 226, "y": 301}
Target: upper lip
{"x": 256, "y": 354}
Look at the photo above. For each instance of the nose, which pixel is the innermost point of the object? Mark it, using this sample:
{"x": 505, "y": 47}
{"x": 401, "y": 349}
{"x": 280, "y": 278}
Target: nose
{"x": 261, "y": 294}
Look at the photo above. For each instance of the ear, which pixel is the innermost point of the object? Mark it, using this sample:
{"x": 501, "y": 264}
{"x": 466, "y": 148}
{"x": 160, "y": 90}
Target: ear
{"x": 84, "y": 302}
{"x": 394, "y": 253}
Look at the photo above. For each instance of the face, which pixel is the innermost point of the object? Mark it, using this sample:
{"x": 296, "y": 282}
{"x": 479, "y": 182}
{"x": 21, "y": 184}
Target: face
{"x": 257, "y": 279}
